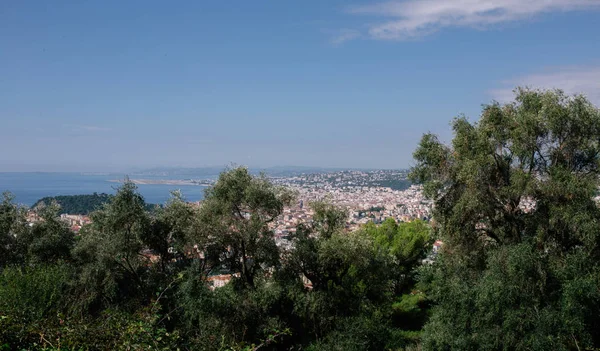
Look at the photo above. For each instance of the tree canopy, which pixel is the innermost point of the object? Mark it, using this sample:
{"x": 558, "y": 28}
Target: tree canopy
{"x": 514, "y": 205}
{"x": 139, "y": 279}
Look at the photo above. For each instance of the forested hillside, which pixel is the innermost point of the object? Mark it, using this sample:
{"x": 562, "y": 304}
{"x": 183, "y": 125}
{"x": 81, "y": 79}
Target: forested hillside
{"x": 80, "y": 204}
{"x": 76, "y": 204}
{"x": 519, "y": 268}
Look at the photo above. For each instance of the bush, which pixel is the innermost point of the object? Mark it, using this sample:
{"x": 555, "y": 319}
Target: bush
{"x": 28, "y": 298}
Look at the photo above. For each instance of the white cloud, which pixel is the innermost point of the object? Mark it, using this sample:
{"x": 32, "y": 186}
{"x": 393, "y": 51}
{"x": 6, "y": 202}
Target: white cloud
{"x": 409, "y": 19}
{"x": 572, "y": 80}
{"x": 345, "y": 35}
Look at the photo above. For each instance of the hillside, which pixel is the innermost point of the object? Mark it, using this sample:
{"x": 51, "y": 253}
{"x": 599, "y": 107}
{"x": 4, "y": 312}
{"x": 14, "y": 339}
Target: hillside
{"x": 80, "y": 204}
{"x": 76, "y": 204}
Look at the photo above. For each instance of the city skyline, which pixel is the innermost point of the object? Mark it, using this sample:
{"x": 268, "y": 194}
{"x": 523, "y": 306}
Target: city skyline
{"x": 111, "y": 86}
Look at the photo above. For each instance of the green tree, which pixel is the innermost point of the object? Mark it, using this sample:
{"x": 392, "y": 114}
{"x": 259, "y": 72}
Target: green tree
{"x": 13, "y": 227}
{"x": 235, "y": 218}
{"x": 46, "y": 241}
{"x": 304, "y": 258}
{"x": 408, "y": 243}
{"x": 109, "y": 253}
{"x": 173, "y": 232}
{"x": 49, "y": 239}
{"x": 349, "y": 276}
{"x": 514, "y": 206}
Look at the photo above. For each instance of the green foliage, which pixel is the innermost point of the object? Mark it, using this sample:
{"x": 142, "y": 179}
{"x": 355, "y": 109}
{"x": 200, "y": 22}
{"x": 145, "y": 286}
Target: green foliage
{"x": 351, "y": 283}
{"x": 12, "y": 227}
{"x": 109, "y": 258}
{"x": 111, "y": 330}
{"x": 28, "y": 297}
{"x": 376, "y": 208}
{"x": 237, "y": 317}
{"x": 520, "y": 300}
{"x": 235, "y": 216}
{"x": 395, "y": 184}
{"x": 33, "y": 292}
{"x": 408, "y": 242}
{"x": 511, "y": 278}
{"x": 327, "y": 219}
{"x": 135, "y": 279}
{"x": 76, "y": 204}
{"x": 410, "y": 311}
{"x": 365, "y": 332}
{"x": 172, "y": 229}
{"x": 80, "y": 204}
{"x": 49, "y": 240}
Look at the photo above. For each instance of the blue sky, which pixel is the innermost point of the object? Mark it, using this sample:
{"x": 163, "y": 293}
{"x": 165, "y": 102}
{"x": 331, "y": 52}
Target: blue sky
{"x": 119, "y": 85}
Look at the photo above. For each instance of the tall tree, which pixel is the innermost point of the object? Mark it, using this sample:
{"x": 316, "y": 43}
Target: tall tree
{"x": 174, "y": 231}
{"x": 235, "y": 217}
{"x": 109, "y": 252}
{"x": 514, "y": 206}
{"x": 12, "y": 228}
{"x": 347, "y": 273}
{"x": 49, "y": 239}
{"x": 309, "y": 237}
{"x": 408, "y": 244}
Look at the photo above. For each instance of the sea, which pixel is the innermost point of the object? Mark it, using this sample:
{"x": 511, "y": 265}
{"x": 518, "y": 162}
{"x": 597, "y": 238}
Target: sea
{"x": 30, "y": 187}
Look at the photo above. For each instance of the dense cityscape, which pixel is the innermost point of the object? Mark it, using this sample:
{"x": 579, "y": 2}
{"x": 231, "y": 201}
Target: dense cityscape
{"x": 366, "y": 195}
{"x": 359, "y": 192}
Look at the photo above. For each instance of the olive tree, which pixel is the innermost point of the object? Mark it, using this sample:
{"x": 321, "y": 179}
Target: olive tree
{"x": 235, "y": 218}
{"x": 514, "y": 205}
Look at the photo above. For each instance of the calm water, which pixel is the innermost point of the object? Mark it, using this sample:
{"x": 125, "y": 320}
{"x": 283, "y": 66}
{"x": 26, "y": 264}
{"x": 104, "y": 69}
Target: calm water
{"x": 30, "y": 187}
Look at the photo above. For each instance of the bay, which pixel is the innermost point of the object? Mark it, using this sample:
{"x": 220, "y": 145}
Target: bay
{"x": 30, "y": 187}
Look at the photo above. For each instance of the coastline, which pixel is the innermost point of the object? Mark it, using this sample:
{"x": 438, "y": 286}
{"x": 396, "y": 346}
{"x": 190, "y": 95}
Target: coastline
{"x": 165, "y": 182}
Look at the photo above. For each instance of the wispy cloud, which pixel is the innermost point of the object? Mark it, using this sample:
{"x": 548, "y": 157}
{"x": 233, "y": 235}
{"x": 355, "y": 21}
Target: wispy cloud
{"x": 85, "y": 128}
{"x": 410, "y": 19}
{"x": 345, "y": 35}
{"x": 572, "y": 80}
